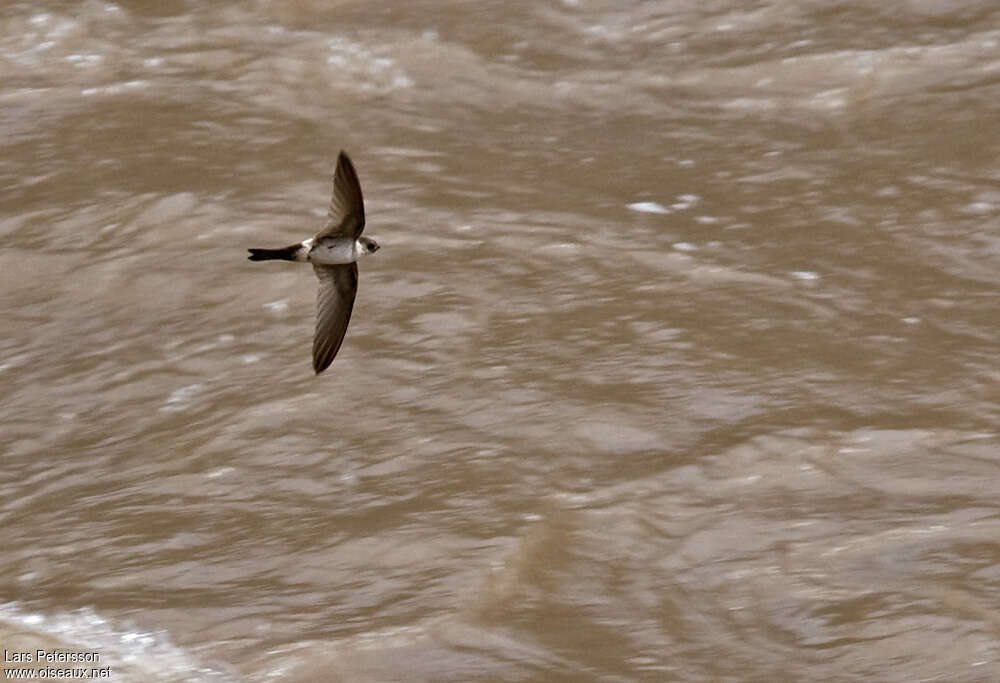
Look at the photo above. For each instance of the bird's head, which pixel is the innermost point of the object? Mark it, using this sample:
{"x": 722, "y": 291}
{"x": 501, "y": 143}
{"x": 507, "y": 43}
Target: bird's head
{"x": 368, "y": 246}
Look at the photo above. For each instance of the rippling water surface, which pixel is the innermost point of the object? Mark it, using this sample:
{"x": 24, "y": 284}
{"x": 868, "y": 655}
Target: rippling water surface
{"x": 679, "y": 361}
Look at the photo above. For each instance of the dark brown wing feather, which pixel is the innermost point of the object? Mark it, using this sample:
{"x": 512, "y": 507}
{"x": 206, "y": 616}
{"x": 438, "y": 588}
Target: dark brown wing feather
{"x": 337, "y": 287}
{"x": 347, "y": 208}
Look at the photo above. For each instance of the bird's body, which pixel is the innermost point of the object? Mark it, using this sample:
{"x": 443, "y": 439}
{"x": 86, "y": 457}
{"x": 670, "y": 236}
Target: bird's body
{"x": 329, "y": 251}
{"x": 333, "y": 253}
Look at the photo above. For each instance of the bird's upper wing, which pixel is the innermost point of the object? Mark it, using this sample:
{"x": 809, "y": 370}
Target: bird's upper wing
{"x": 337, "y": 287}
{"x": 347, "y": 208}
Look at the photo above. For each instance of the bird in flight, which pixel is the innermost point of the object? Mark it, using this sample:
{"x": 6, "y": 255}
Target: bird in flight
{"x": 334, "y": 254}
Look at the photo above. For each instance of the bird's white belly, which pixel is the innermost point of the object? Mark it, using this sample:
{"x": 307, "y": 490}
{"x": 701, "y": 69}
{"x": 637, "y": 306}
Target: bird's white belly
{"x": 333, "y": 253}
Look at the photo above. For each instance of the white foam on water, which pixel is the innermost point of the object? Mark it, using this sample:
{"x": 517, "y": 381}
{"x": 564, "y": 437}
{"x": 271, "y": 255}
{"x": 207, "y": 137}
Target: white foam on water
{"x": 277, "y": 307}
{"x": 648, "y": 207}
{"x": 979, "y": 208}
{"x": 179, "y": 398}
{"x": 133, "y": 654}
{"x": 685, "y": 201}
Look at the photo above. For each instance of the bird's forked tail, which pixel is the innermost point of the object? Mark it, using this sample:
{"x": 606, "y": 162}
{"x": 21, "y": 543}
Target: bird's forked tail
{"x": 283, "y": 254}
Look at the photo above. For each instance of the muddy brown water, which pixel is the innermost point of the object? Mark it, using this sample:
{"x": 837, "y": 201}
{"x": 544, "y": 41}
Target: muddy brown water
{"x": 679, "y": 360}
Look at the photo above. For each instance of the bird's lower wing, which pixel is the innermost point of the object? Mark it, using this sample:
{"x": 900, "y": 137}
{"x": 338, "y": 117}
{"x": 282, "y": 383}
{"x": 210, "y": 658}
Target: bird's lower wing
{"x": 334, "y": 302}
